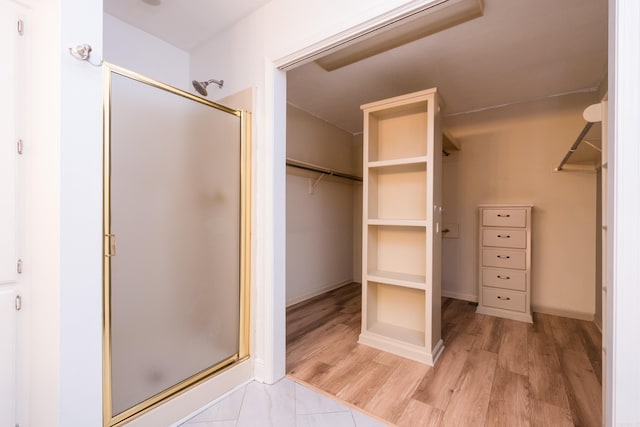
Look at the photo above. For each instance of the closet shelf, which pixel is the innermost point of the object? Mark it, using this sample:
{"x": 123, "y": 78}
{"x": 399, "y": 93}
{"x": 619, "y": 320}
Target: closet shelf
{"x": 398, "y": 279}
{"x": 398, "y": 162}
{"x": 398, "y": 333}
{"x": 320, "y": 169}
{"x": 398, "y": 222}
{"x": 586, "y": 151}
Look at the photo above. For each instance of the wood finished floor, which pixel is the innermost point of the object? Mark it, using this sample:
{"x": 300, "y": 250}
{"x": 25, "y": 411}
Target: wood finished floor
{"x": 493, "y": 372}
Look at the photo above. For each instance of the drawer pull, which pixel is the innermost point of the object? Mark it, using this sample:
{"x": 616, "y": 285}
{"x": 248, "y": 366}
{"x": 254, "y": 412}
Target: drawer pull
{"x": 503, "y": 256}
{"x": 504, "y": 236}
{"x": 504, "y": 216}
{"x": 503, "y": 277}
{"x": 504, "y": 298}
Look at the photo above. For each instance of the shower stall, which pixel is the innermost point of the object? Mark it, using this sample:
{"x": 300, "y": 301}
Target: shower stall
{"x": 176, "y": 241}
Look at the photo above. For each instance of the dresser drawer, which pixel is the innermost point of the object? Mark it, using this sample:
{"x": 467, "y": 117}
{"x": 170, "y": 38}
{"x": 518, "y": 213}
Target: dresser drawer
{"x": 507, "y": 238}
{"x": 506, "y": 300}
{"x": 504, "y": 217}
{"x": 505, "y": 279}
{"x": 504, "y": 258}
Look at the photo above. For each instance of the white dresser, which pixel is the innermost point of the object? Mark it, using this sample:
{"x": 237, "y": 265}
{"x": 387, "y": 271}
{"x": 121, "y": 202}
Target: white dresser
{"x": 504, "y": 265}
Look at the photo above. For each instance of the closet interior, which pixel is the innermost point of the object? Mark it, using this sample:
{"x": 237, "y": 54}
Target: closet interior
{"x": 521, "y": 179}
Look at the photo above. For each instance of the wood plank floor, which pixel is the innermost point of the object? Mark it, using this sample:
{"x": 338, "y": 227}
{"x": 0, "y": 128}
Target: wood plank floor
{"x": 493, "y": 372}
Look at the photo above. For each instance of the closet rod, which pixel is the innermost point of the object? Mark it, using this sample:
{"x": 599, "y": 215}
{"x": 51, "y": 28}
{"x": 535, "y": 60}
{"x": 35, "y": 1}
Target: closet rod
{"x": 314, "y": 168}
{"x": 575, "y": 145}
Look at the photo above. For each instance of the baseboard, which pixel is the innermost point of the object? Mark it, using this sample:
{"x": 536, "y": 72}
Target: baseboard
{"x": 598, "y": 325}
{"x": 400, "y": 348}
{"x": 572, "y": 314}
{"x": 507, "y": 314}
{"x": 320, "y": 291}
{"x": 459, "y": 295}
{"x": 259, "y": 370}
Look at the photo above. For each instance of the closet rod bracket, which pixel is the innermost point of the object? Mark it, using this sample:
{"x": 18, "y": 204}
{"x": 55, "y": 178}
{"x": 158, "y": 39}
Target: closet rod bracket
{"x": 313, "y": 184}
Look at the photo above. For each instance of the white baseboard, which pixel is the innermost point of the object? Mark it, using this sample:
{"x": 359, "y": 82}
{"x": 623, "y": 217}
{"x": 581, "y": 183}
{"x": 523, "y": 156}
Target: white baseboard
{"x": 320, "y": 291}
{"x": 572, "y": 314}
{"x": 403, "y": 349}
{"x": 459, "y": 295}
{"x": 259, "y": 370}
{"x": 599, "y": 326}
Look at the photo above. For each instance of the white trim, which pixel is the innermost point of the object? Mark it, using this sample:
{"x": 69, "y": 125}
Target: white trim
{"x": 347, "y": 37}
{"x": 600, "y": 329}
{"x": 572, "y": 314}
{"x": 508, "y": 314}
{"x": 460, "y": 295}
{"x": 270, "y": 245}
{"x": 259, "y": 370}
{"x": 402, "y": 348}
{"x": 323, "y": 290}
{"x": 623, "y": 204}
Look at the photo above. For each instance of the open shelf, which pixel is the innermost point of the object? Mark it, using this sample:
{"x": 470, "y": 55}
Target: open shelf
{"x": 398, "y": 162}
{"x": 398, "y": 333}
{"x": 396, "y": 312}
{"x": 398, "y": 192}
{"x": 398, "y": 133}
{"x": 398, "y": 222}
{"x": 397, "y": 249}
{"x": 398, "y": 279}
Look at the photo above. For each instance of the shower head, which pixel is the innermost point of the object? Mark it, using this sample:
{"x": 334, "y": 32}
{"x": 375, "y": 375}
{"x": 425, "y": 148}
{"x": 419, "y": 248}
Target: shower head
{"x": 201, "y": 87}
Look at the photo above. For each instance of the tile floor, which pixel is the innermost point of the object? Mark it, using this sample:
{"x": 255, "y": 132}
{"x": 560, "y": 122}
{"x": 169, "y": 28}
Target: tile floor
{"x": 284, "y": 404}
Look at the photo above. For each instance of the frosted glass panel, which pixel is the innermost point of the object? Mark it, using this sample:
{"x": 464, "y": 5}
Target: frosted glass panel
{"x": 175, "y": 212}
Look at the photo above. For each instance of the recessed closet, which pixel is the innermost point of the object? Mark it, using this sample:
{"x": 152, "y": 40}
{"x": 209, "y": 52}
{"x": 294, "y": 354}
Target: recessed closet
{"x": 509, "y": 141}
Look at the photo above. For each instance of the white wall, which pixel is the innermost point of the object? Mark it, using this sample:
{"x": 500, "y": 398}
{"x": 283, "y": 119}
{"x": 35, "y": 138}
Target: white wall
{"x": 80, "y": 239}
{"x": 138, "y": 51}
{"x": 508, "y": 156}
{"x": 320, "y": 226}
{"x": 623, "y": 211}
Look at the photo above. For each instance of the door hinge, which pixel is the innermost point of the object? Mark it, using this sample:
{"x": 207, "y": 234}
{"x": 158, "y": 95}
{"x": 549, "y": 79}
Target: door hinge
{"x": 20, "y": 146}
{"x": 18, "y": 303}
{"x": 19, "y": 266}
{"x": 20, "y": 26}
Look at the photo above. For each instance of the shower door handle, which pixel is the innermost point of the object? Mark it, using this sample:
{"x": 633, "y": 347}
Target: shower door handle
{"x": 110, "y": 245}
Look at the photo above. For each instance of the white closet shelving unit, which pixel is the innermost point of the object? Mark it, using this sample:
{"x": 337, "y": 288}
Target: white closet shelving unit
{"x": 401, "y": 221}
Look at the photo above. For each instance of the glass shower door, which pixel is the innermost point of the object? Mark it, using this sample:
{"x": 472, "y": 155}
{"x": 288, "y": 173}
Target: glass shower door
{"x": 175, "y": 241}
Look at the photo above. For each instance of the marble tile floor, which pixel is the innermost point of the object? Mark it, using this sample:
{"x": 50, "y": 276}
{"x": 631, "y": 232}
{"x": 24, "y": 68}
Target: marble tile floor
{"x": 284, "y": 404}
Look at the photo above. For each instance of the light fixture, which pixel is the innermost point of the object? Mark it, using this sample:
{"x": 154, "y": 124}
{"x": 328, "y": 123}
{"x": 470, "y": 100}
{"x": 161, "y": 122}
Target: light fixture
{"x": 430, "y": 20}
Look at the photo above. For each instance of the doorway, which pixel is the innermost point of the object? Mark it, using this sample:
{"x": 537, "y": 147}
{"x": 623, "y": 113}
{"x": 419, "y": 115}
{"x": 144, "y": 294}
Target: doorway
{"x": 500, "y": 164}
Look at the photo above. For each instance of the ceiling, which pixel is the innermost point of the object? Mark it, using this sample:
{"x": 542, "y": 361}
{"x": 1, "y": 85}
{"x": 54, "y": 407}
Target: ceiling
{"x": 518, "y": 51}
{"x": 181, "y": 23}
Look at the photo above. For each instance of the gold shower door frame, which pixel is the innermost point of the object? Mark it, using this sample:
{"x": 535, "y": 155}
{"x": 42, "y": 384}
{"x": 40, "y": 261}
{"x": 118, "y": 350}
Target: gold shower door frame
{"x": 110, "y": 420}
